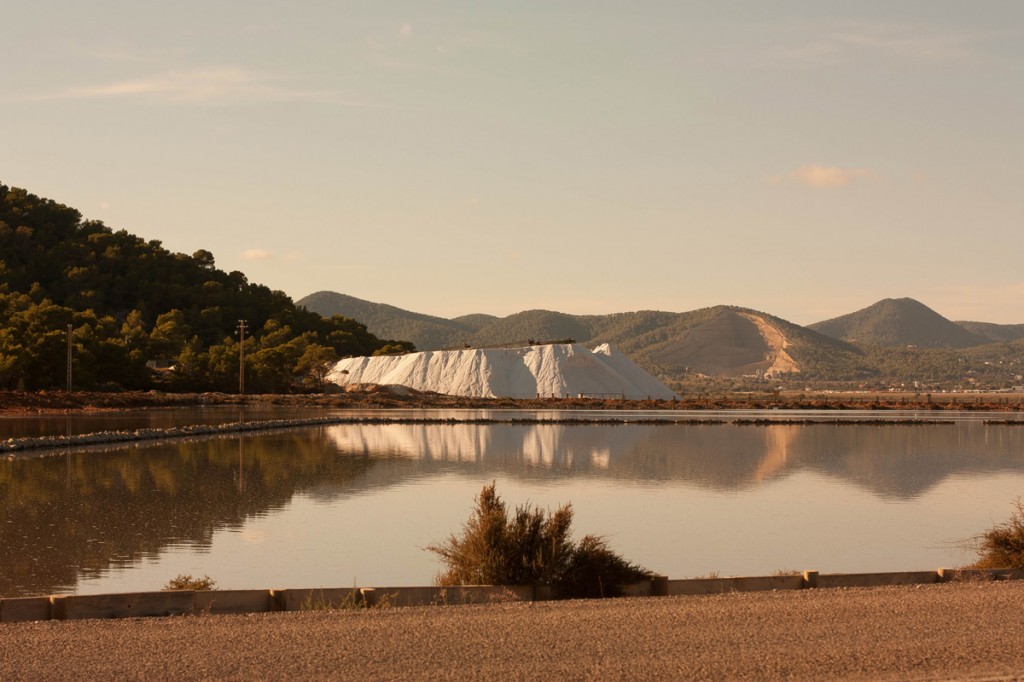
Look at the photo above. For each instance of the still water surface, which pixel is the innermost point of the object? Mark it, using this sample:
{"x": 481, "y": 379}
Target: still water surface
{"x": 337, "y": 505}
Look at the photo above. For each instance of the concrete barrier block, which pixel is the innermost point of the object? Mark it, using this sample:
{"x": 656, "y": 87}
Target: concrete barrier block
{"x": 453, "y": 596}
{"x": 497, "y": 594}
{"x": 643, "y": 588}
{"x": 659, "y": 585}
{"x": 698, "y": 586}
{"x": 969, "y": 574}
{"x": 128, "y": 605}
{"x": 369, "y": 597}
{"x": 317, "y": 599}
{"x": 233, "y": 601}
{"x": 877, "y": 579}
{"x": 21, "y": 609}
{"x": 277, "y": 599}
{"x": 416, "y": 596}
{"x": 768, "y": 583}
{"x": 544, "y": 593}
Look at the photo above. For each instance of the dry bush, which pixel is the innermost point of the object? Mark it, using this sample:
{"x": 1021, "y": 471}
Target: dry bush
{"x": 530, "y": 547}
{"x": 596, "y": 571}
{"x": 1003, "y": 546}
{"x": 187, "y": 582}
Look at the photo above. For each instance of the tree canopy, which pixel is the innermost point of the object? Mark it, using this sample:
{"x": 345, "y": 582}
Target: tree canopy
{"x": 133, "y": 304}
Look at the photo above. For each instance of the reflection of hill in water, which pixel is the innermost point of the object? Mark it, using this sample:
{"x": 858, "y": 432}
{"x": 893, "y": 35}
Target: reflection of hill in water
{"x": 77, "y": 515}
{"x": 894, "y": 460}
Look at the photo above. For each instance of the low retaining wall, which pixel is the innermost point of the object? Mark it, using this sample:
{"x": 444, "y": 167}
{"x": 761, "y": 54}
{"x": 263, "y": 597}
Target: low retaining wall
{"x": 181, "y": 602}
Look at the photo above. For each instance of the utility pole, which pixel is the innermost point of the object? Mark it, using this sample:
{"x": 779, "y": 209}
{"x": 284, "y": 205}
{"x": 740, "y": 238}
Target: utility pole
{"x": 70, "y": 329}
{"x": 241, "y": 357}
{"x": 241, "y": 464}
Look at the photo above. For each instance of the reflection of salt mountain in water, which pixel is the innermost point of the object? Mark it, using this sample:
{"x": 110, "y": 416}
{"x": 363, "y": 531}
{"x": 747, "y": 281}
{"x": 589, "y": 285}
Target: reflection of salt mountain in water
{"x": 531, "y": 445}
{"x": 896, "y": 460}
{"x": 546, "y": 370}
{"x": 719, "y": 456}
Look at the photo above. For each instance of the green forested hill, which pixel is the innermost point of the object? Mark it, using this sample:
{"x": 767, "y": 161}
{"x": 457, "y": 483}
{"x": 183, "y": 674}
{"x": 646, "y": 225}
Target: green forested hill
{"x": 995, "y": 332}
{"x": 900, "y": 322}
{"x": 432, "y": 332}
{"x": 130, "y": 301}
{"x": 535, "y": 325}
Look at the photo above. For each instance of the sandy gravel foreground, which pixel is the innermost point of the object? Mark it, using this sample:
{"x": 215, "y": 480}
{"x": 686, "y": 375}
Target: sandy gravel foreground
{"x": 969, "y": 631}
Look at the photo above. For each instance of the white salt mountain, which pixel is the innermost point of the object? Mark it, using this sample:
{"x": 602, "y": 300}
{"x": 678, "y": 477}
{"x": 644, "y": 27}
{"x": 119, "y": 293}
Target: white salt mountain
{"x": 552, "y": 370}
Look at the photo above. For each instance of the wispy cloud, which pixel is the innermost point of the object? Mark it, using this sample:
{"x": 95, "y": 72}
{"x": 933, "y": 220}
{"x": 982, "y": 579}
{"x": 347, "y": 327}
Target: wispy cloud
{"x": 202, "y": 85}
{"x": 136, "y": 55}
{"x": 257, "y": 255}
{"x": 815, "y": 44}
{"x": 437, "y": 48}
{"x": 217, "y": 85}
{"x": 909, "y": 42}
{"x": 828, "y": 176}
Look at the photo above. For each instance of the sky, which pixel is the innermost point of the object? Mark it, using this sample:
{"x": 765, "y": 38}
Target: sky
{"x": 804, "y": 158}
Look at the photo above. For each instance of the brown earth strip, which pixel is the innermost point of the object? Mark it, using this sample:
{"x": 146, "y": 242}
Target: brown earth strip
{"x": 60, "y": 402}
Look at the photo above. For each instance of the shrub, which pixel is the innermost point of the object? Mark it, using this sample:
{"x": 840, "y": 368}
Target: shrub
{"x": 1003, "y": 546}
{"x": 532, "y": 547}
{"x": 596, "y": 571}
{"x": 187, "y": 582}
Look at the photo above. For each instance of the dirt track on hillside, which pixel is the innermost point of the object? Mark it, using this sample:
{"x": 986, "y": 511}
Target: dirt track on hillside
{"x": 952, "y": 631}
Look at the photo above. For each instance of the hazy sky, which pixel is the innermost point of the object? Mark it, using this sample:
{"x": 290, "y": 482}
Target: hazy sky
{"x": 803, "y": 158}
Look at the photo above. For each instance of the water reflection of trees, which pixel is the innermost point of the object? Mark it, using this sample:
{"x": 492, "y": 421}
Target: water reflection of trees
{"x": 79, "y": 514}
{"x": 127, "y": 420}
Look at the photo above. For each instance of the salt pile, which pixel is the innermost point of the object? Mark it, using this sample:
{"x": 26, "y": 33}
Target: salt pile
{"x": 553, "y": 370}
{"x": 536, "y": 445}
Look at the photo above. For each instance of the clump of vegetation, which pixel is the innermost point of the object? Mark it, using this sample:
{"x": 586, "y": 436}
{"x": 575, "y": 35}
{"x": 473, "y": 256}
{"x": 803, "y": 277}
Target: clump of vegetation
{"x": 187, "y": 582}
{"x": 531, "y": 547}
{"x": 1003, "y": 546}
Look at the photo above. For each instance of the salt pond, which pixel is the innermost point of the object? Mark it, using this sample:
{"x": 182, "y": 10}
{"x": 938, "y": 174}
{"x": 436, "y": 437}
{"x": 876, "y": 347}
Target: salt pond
{"x": 333, "y": 505}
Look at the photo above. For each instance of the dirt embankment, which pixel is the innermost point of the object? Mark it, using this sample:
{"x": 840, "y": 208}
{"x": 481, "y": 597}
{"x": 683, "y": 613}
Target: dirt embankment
{"x": 382, "y": 397}
{"x": 782, "y": 361}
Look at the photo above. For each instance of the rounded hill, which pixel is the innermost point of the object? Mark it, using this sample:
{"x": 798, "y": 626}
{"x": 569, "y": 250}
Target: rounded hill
{"x": 899, "y": 322}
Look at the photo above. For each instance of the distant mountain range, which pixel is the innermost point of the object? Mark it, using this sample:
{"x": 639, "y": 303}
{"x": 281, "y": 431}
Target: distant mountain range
{"x": 892, "y": 342}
